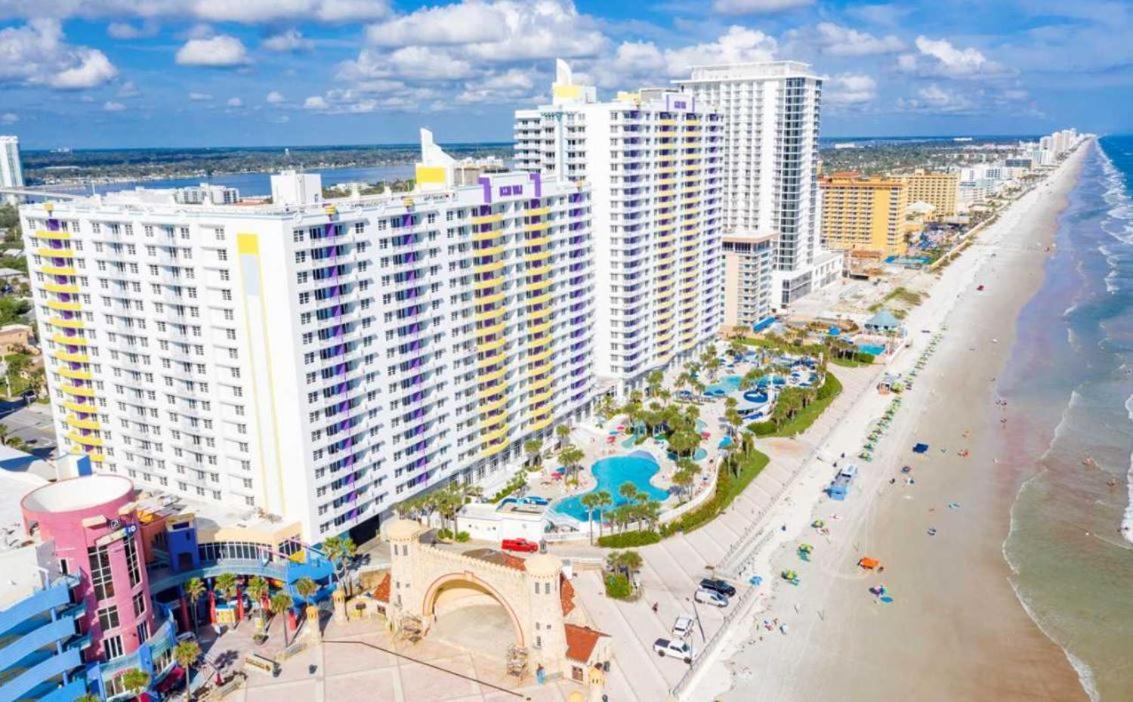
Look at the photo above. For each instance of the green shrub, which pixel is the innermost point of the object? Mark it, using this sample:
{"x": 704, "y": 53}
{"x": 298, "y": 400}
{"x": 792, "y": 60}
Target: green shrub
{"x": 444, "y": 535}
{"x": 628, "y": 539}
{"x": 462, "y": 536}
{"x": 517, "y": 482}
{"x": 618, "y": 587}
{"x": 728, "y": 487}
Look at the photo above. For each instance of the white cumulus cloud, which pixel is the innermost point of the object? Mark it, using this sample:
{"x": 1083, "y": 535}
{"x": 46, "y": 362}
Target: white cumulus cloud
{"x": 37, "y": 54}
{"x": 315, "y": 102}
{"x": 755, "y": 7}
{"x": 850, "y": 89}
{"x": 940, "y": 58}
{"x": 9, "y": 118}
{"x": 196, "y": 96}
{"x": 220, "y": 51}
{"x": 235, "y": 102}
{"x": 837, "y": 40}
{"x": 290, "y": 40}
{"x": 275, "y": 97}
{"x": 111, "y": 106}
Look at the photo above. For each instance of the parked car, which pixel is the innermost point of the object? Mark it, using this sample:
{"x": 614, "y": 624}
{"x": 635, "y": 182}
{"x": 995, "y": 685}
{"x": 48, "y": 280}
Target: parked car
{"x": 682, "y": 626}
{"x": 711, "y": 597}
{"x": 673, "y": 649}
{"x": 717, "y": 585}
{"x": 521, "y": 545}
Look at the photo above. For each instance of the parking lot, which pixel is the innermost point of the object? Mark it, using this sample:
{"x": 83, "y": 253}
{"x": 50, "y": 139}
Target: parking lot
{"x": 31, "y": 424}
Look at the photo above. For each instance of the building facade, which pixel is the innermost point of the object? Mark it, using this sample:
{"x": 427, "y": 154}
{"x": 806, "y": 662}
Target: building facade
{"x": 771, "y": 121}
{"x": 864, "y": 214}
{"x": 749, "y": 262}
{"x": 320, "y": 360}
{"x": 653, "y": 162}
{"x": 11, "y": 172}
{"x": 937, "y": 189}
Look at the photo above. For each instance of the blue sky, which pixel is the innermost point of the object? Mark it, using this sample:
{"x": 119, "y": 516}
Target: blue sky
{"x": 105, "y": 73}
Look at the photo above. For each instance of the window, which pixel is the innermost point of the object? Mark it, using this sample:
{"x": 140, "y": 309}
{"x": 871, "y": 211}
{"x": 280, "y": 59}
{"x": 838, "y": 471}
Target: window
{"x": 132, "y": 562}
{"x": 112, "y": 647}
{"x": 100, "y": 578}
{"x": 108, "y": 617}
{"x": 139, "y": 604}
{"x": 143, "y": 631}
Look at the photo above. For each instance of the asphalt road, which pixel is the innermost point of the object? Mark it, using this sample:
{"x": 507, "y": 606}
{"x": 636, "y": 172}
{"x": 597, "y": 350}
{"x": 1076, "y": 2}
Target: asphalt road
{"x": 32, "y": 424}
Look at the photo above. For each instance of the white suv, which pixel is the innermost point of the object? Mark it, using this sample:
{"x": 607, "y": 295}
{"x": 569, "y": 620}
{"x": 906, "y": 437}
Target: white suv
{"x": 710, "y": 597}
{"x": 682, "y": 626}
{"x": 675, "y": 649}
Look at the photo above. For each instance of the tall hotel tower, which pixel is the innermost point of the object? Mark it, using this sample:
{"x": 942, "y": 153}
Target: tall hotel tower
{"x": 771, "y": 116}
{"x": 319, "y": 359}
{"x": 652, "y": 160}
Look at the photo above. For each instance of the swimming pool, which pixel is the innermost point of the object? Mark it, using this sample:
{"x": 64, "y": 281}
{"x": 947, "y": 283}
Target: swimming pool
{"x": 725, "y": 442}
{"x": 872, "y": 349}
{"x": 613, "y": 472}
{"x": 724, "y": 386}
{"x": 759, "y": 397}
{"x": 699, "y": 455}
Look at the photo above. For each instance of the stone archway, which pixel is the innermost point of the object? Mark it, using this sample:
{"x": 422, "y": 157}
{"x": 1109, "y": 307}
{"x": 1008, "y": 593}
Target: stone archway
{"x": 469, "y": 605}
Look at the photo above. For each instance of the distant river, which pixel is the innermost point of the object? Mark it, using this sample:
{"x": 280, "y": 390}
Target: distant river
{"x": 252, "y": 183}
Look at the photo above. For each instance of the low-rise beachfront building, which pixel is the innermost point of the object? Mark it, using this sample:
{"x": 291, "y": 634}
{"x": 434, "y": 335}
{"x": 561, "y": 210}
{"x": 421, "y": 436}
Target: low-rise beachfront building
{"x": 652, "y": 160}
{"x": 319, "y": 360}
{"x": 749, "y": 262}
{"x": 864, "y": 214}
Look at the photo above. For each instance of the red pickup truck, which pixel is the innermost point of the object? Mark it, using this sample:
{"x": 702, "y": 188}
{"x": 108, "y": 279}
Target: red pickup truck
{"x": 522, "y": 545}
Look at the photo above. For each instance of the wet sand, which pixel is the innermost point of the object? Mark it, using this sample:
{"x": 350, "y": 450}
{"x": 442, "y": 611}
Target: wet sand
{"x": 955, "y": 629}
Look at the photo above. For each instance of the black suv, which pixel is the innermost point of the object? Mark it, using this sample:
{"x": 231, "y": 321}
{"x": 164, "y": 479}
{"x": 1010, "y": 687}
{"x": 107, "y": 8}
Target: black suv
{"x": 720, "y": 586}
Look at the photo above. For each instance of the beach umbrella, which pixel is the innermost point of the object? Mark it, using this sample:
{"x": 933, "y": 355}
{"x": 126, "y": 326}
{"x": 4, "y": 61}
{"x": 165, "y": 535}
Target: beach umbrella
{"x": 818, "y": 524}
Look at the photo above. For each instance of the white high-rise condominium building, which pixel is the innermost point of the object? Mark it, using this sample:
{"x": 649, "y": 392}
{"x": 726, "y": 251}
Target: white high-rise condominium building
{"x": 652, "y": 161}
{"x": 319, "y": 359}
{"x": 771, "y": 118}
{"x": 11, "y": 173}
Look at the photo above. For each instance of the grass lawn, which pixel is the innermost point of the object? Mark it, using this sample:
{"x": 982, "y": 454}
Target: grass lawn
{"x": 849, "y": 362}
{"x": 728, "y": 488}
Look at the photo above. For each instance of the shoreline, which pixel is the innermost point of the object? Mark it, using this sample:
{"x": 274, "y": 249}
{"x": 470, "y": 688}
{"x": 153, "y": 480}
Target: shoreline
{"x": 949, "y": 296}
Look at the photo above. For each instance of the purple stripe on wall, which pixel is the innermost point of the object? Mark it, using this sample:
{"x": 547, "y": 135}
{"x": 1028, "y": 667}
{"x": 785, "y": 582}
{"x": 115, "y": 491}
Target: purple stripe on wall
{"x": 486, "y": 183}
{"x": 538, "y": 178}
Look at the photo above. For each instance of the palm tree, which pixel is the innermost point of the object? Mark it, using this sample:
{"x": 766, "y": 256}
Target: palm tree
{"x": 562, "y": 433}
{"x": 532, "y": 447}
{"x": 653, "y": 381}
{"x": 257, "y": 588}
{"x": 712, "y": 365}
{"x": 280, "y": 603}
{"x": 570, "y": 457}
{"x": 194, "y": 591}
{"x": 629, "y": 492}
{"x": 685, "y": 474}
{"x": 307, "y": 589}
{"x": 340, "y": 550}
{"x": 186, "y": 654}
{"x": 225, "y": 585}
{"x": 605, "y": 408}
{"x": 88, "y": 697}
{"x": 603, "y": 500}
{"x": 135, "y": 680}
{"x": 590, "y": 501}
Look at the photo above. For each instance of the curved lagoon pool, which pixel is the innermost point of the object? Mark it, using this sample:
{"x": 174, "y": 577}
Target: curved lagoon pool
{"x": 613, "y": 472}
{"x": 724, "y": 386}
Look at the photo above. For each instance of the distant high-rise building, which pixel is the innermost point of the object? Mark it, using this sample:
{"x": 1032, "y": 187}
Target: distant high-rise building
{"x": 748, "y": 265}
{"x": 864, "y": 214}
{"x": 771, "y": 119}
{"x": 319, "y": 359}
{"x": 11, "y": 172}
{"x": 653, "y": 162}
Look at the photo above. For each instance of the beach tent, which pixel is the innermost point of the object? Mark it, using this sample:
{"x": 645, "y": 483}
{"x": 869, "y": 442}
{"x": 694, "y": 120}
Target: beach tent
{"x": 882, "y": 322}
{"x": 869, "y": 563}
{"x": 920, "y": 448}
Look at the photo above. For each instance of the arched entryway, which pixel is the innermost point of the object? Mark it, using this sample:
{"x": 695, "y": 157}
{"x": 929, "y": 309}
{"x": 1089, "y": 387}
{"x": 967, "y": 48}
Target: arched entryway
{"x": 469, "y": 613}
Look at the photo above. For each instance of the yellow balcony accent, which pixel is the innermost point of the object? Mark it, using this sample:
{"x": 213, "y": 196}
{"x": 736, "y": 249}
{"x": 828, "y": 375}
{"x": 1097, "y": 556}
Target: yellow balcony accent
{"x": 493, "y": 421}
{"x": 539, "y": 328}
{"x": 61, "y": 288}
{"x": 540, "y": 299}
{"x": 84, "y": 423}
{"x": 488, "y": 267}
{"x": 532, "y": 317}
{"x": 537, "y": 211}
{"x": 488, "y": 331}
{"x": 75, "y": 374}
{"x": 84, "y": 440}
{"x": 537, "y": 357}
{"x": 540, "y": 397}
{"x": 665, "y": 181}
{"x": 537, "y": 256}
{"x": 537, "y": 241}
{"x": 538, "y": 285}
{"x": 64, "y": 306}
{"x": 489, "y": 315}
{"x": 80, "y": 407}
{"x": 489, "y": 451}
{"x": 55, "y": 253}
{"x": 493, "y": 376}
{"x": 488, "y": 218}
{"x": 485, "y": 284}
{"x": 56, "y": 236}
{"x": 96, "y": 457}
{"x": 69, "y": 340}
{"x": 541, "y": 383}
{"x": 492, "y": 391}
{"x": 76, "y": 390}
{"x": 541, "y": 270}
{"x": 536, "y": 226}
{"x": 493, "y": 405}
{"x": 58, "y": 270}
{"x": 491, "y": 345}
{"x": 667, "y": 122}
{"x": 71, "y": 357}
{"x": 539, "y": 370}
{"x": 490, "y": 360}
{"x": 490, "y": 251}
{"x": 486, "y": 236}
{"x": 493, "y": 435}
{"x": 65, "y": 323}
{"x": 540, "y": 424}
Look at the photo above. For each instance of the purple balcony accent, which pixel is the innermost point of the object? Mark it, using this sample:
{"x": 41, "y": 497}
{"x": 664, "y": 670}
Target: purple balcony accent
{"x": 486, "y": 184}
{"x": 52, "y": 225}
{"x": 577, "y": 306}
{"x": 538, "y": 179}
{"x": 417, "y": 379}
{"x": 417, "y": 397}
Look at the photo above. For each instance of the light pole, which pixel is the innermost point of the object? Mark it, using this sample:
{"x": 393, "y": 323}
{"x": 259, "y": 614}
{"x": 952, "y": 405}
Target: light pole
{"x": 696, "y": 614}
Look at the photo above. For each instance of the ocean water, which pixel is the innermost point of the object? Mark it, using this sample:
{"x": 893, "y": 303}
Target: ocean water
{"x": 1070, "y": 383}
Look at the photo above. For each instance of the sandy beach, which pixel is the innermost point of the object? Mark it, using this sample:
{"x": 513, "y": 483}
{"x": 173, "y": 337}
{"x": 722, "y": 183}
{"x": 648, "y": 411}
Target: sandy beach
{"x": 955, "y": 629}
